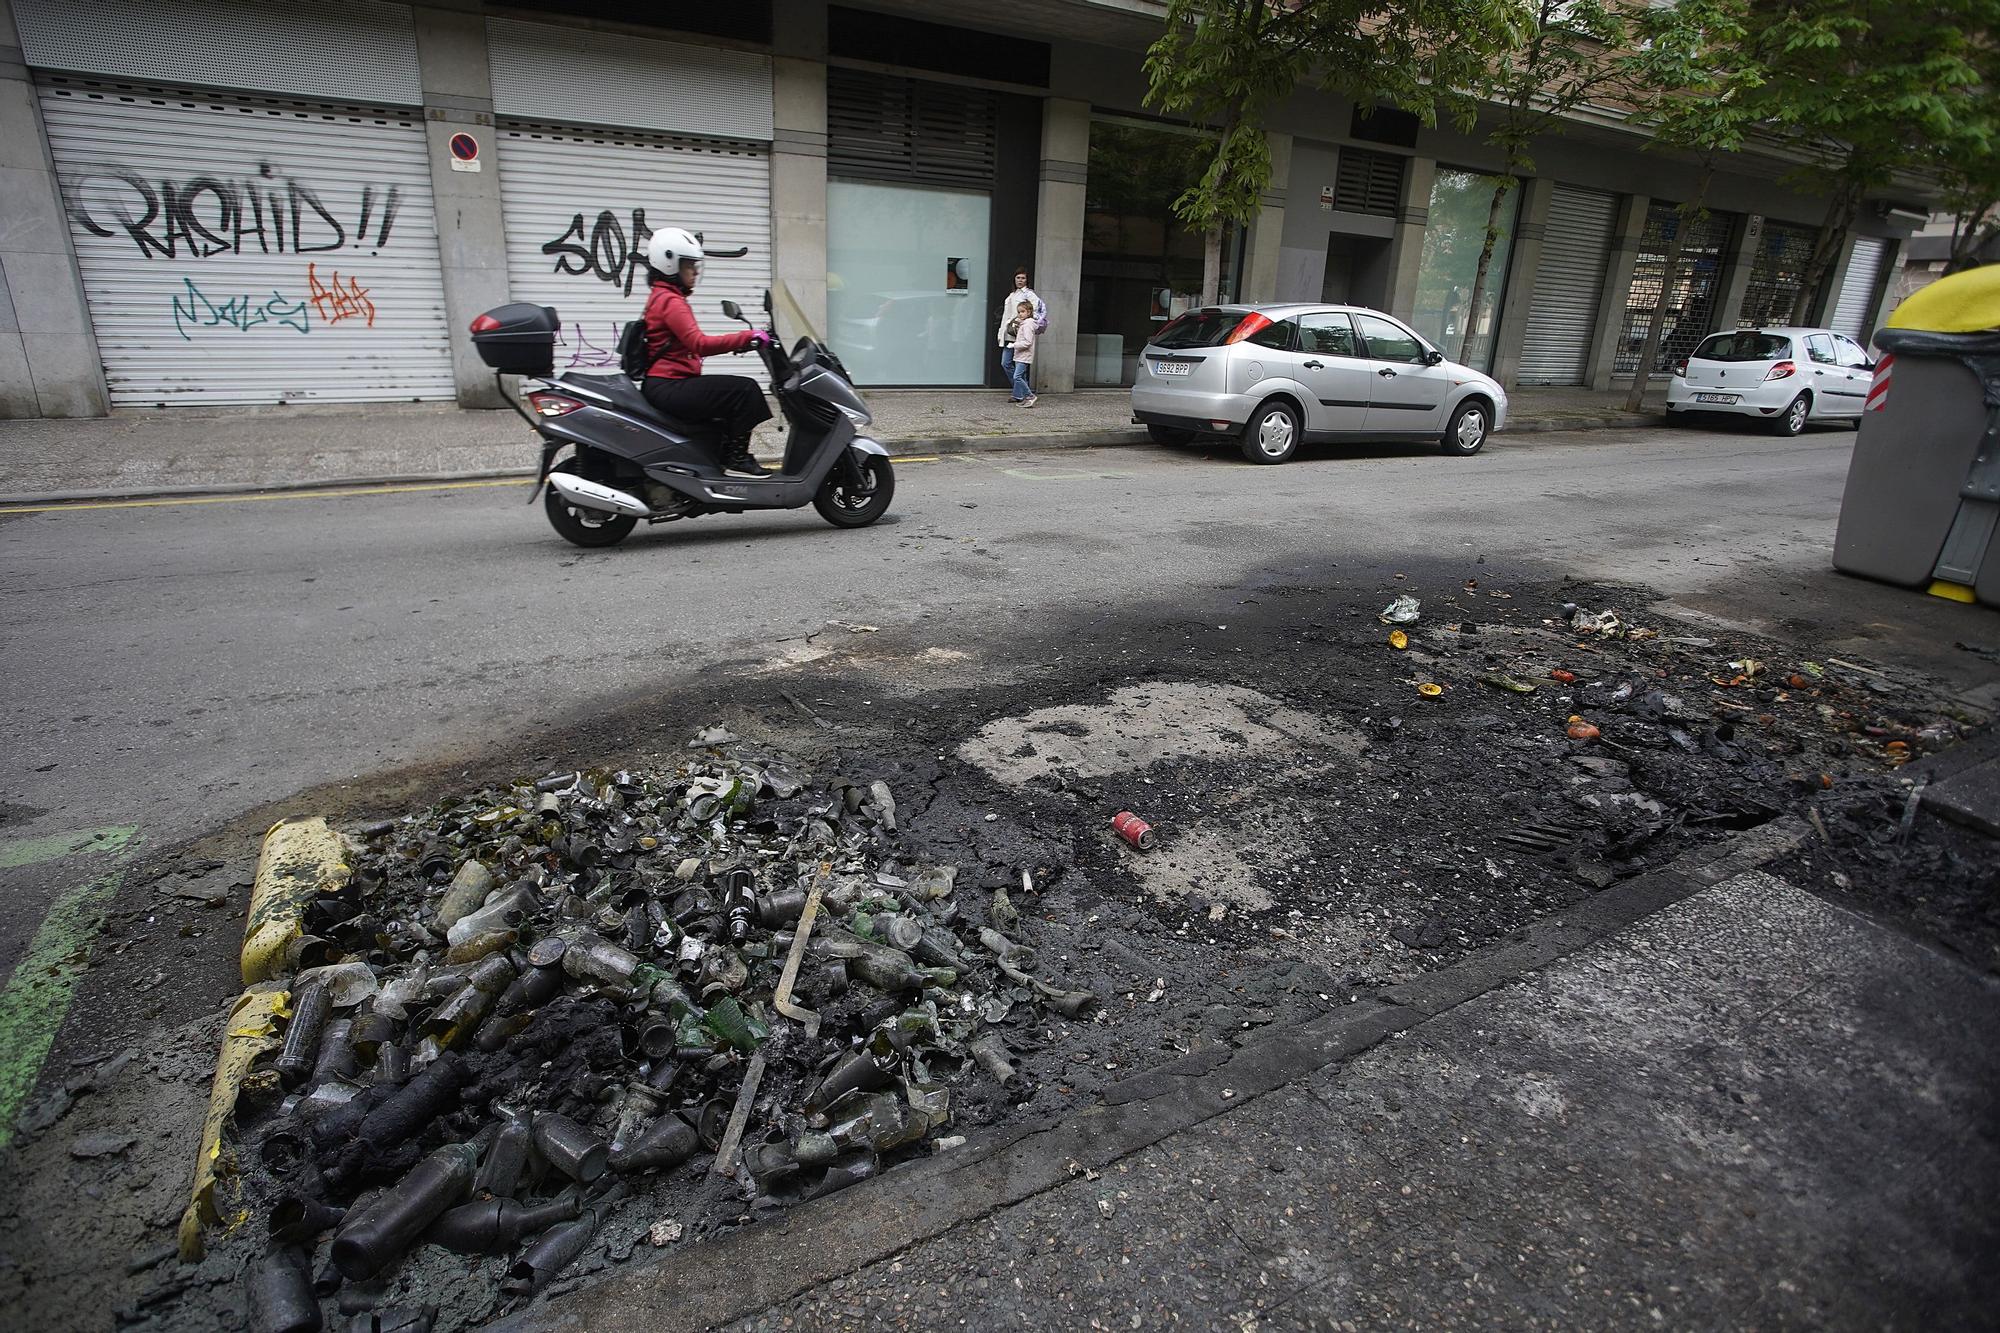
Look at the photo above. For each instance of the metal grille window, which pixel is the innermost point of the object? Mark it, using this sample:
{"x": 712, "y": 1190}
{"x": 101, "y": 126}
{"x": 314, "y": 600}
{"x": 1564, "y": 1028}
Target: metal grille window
{"x": 1368, "y": 182}
{"x": 1690, "y": 296}
{"x": 1776, "y": 273}
{"x": 910, "y": 131}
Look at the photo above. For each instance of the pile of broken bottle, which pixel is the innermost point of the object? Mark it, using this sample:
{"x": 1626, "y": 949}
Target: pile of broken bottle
{"x": 539, "y": 995}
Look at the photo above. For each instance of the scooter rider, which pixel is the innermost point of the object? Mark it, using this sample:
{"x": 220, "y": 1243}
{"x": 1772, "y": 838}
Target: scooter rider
{"x": 675, "y": 346}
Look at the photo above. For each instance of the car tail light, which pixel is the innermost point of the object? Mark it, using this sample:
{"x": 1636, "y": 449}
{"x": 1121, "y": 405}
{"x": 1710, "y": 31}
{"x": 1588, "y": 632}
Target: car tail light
{"x": 1251, "y": 324}
{"x": 1783, "y": 370}
{"x": 552, "y": 404}
{"x": 485, "y": 324}
{"x": 1681, "y": 368}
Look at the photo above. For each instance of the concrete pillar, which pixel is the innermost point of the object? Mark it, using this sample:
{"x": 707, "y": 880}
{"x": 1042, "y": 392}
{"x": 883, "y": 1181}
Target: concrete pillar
{"x": 1406, "y": 246}
{"x": 1267, "y": 228}
{"x": 472, "y": 234}
{"x": 1626, "y": 234}
{"x": 1059, "y": 238}
{"x": 1532, "y": 221}
{"x": 1736, "y": 266}
{"x": 798, "y": 184}
{"x": 798, "y": 156}
{"x": 49, "y": 364}
{"x": 1836, "y": 277}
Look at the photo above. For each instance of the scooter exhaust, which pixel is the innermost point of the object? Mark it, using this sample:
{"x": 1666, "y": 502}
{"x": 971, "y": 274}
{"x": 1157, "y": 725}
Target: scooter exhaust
{"x": 587, "y": 494}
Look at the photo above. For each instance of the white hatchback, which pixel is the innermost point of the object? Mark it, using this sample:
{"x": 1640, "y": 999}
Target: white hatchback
{"x": 1784, "y": 376}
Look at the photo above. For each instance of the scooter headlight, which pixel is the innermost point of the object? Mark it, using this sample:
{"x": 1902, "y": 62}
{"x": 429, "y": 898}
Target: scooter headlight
{"x": 855, "y": 415}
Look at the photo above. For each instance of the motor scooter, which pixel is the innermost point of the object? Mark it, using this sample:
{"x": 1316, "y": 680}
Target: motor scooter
{"x": 628, "y": 461}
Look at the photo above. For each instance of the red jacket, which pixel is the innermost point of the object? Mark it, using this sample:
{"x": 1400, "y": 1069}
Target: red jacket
{"x": 675, "y": 344}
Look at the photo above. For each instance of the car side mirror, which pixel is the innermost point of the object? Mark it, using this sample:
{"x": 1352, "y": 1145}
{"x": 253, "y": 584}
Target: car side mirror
{"x": 733, "y": 310}
{"x": 1433, "y": 357}
{"x": 1868, "y": 365}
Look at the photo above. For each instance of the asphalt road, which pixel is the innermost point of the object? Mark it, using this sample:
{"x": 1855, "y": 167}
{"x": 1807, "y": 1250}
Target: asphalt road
{"x": 172, "y": 666}
{"x": 181, "y": 673}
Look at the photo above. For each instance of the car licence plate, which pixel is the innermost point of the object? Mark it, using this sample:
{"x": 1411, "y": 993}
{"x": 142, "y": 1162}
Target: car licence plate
{"x": 1715, "y": 398}
{"x": 1172, "y": 367}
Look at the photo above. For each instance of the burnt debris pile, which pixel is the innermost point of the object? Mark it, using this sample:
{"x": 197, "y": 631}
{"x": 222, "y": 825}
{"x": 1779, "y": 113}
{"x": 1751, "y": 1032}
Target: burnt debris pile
{"x": 532, "y": 1003}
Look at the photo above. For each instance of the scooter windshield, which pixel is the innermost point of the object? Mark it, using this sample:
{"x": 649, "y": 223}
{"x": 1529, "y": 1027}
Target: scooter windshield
{"x": 783, "y": 304}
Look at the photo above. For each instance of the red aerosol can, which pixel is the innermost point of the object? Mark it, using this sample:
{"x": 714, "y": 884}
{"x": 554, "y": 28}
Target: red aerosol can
{"x": 1134, "y": 830}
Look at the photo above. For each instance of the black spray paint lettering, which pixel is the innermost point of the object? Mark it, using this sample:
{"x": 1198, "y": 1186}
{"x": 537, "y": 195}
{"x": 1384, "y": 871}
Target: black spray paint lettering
{"x": 604, "y": 251}
{"x": 206, "y": 215}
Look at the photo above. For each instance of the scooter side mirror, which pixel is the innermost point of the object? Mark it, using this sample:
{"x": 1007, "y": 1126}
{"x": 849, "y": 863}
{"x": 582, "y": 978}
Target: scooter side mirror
{"x": 733, "y": 310}
{"x": 767, "y": 300}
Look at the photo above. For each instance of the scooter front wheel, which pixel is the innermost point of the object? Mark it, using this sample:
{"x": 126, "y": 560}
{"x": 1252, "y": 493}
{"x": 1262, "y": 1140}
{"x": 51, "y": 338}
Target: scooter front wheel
{"x": 847, "y": 505}
{"x": 584, "y": 527}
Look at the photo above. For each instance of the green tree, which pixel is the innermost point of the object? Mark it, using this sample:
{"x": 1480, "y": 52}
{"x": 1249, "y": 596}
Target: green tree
{"x": 1864, "y": 88}
{"x": 1224, "y": 64}
{"x": 1569, "y": 59}
{"x": 1689, "y": 76}
{"x": 1967, "y": 163}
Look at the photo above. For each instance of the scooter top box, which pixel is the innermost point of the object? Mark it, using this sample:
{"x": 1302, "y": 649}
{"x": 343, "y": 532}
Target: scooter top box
{"x": 519, "y": 339}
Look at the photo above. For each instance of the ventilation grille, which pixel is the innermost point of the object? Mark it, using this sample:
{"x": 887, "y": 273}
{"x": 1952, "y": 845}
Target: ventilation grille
{"x": 908, "y": 131}
{"x": 1367, "y": 182}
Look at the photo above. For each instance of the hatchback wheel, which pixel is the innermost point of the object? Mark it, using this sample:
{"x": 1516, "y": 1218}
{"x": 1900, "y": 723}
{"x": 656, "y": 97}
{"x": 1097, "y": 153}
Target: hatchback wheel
{"x": 1465, "y": 434}
{"x": 1273, "y": 433}
{"x": 1794, "y": 419}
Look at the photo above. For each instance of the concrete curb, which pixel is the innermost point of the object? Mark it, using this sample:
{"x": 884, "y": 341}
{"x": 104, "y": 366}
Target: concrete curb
{"x": 747, "y": 1271}
{"x": 1096, "y": 438}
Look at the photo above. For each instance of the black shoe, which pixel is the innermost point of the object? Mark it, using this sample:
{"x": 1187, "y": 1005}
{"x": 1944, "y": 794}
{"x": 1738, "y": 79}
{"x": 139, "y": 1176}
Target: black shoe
{"x": 741, "y": 461}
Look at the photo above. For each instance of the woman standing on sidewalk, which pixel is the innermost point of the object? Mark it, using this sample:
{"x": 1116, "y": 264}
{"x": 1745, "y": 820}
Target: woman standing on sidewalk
{"x": 1005, "y": 336}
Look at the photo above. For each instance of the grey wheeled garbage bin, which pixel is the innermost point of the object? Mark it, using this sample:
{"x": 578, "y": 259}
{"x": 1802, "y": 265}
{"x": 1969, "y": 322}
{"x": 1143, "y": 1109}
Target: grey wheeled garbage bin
{"x": 1923, "y": 490}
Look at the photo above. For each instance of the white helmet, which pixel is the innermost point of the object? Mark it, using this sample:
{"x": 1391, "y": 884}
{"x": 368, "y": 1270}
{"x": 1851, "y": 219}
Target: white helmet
{"x": 667, "y": 247}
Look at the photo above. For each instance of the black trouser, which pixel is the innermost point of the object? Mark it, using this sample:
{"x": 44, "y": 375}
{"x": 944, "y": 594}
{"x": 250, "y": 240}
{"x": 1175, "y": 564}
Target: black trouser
{"x": 732, "y": 402}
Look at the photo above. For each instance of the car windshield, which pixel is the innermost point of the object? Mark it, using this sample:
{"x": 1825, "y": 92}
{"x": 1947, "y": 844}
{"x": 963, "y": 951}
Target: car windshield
{"x": 1744, "y": 347}
{"x": 1199, "y": 328}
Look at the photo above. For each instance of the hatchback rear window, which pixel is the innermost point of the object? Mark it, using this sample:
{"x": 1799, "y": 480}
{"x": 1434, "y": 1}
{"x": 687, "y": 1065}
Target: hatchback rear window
{"x": 1744, "y": 347}
{"x": 1200, "y": 328}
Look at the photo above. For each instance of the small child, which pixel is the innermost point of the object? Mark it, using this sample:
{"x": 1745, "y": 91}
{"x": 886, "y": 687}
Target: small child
{"x": 1021, "y": 330}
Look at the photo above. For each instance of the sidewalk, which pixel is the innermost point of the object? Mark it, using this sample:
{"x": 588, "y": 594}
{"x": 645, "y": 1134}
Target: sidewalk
{"x": 192, "y": 450}
{"x": 1706, "y": 1099}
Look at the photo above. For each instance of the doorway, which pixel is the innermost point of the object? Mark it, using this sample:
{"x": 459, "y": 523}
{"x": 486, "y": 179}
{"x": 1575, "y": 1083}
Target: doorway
{"x": 1357, "y": 271}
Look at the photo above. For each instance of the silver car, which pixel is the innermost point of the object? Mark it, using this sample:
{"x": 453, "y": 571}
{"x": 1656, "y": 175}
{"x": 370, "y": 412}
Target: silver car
{"x": 1280, "y": 375}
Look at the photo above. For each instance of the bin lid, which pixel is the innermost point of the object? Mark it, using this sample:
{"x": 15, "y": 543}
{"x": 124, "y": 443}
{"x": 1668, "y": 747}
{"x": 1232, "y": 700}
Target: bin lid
{"x": 1967, "y": 302}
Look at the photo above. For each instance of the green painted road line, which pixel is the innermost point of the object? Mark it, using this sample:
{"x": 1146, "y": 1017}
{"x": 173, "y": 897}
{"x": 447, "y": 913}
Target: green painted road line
{"x": 36, "y": 998}
{"x": 34, "y": 851}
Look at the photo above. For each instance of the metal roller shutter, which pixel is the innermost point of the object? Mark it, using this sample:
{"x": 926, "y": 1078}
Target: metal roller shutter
{"x": 251, "y": 251}
{"x": 577, "y": 205}
{"x": 1853, "y": 311}
{"x": 1563, "y": 311}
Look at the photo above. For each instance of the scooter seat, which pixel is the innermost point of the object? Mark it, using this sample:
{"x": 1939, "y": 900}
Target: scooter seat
{"x": 626, "y": 396}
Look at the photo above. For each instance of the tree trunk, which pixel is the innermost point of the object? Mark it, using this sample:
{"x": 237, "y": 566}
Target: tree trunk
{"x": 1840, "y": 211}
{"x": 1211, "y": 265}
{"x": 1970, "y": 230}
{"x": 1656, "y": 328}
{"x": 1485, "y": 263}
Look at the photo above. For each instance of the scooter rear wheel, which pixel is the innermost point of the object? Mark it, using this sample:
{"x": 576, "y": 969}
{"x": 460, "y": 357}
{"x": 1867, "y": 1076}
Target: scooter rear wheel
{"x": 857, "y": 507}
{"x": 583, "y": 527}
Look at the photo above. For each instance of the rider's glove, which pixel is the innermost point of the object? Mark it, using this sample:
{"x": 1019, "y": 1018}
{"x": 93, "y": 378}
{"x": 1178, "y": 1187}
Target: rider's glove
{"x": 759, "y": 338}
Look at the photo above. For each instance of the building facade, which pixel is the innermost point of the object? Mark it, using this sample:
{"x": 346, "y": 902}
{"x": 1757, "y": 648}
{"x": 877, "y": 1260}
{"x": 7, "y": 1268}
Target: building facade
{"x": 214, "y": 203}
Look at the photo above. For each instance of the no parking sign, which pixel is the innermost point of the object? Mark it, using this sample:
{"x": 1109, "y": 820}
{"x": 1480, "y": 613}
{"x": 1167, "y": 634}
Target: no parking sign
{"x": 464, "y": 152}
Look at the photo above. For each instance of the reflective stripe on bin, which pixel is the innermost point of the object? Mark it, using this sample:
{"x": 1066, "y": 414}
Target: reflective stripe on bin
{"x": 1878, "y": 389}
